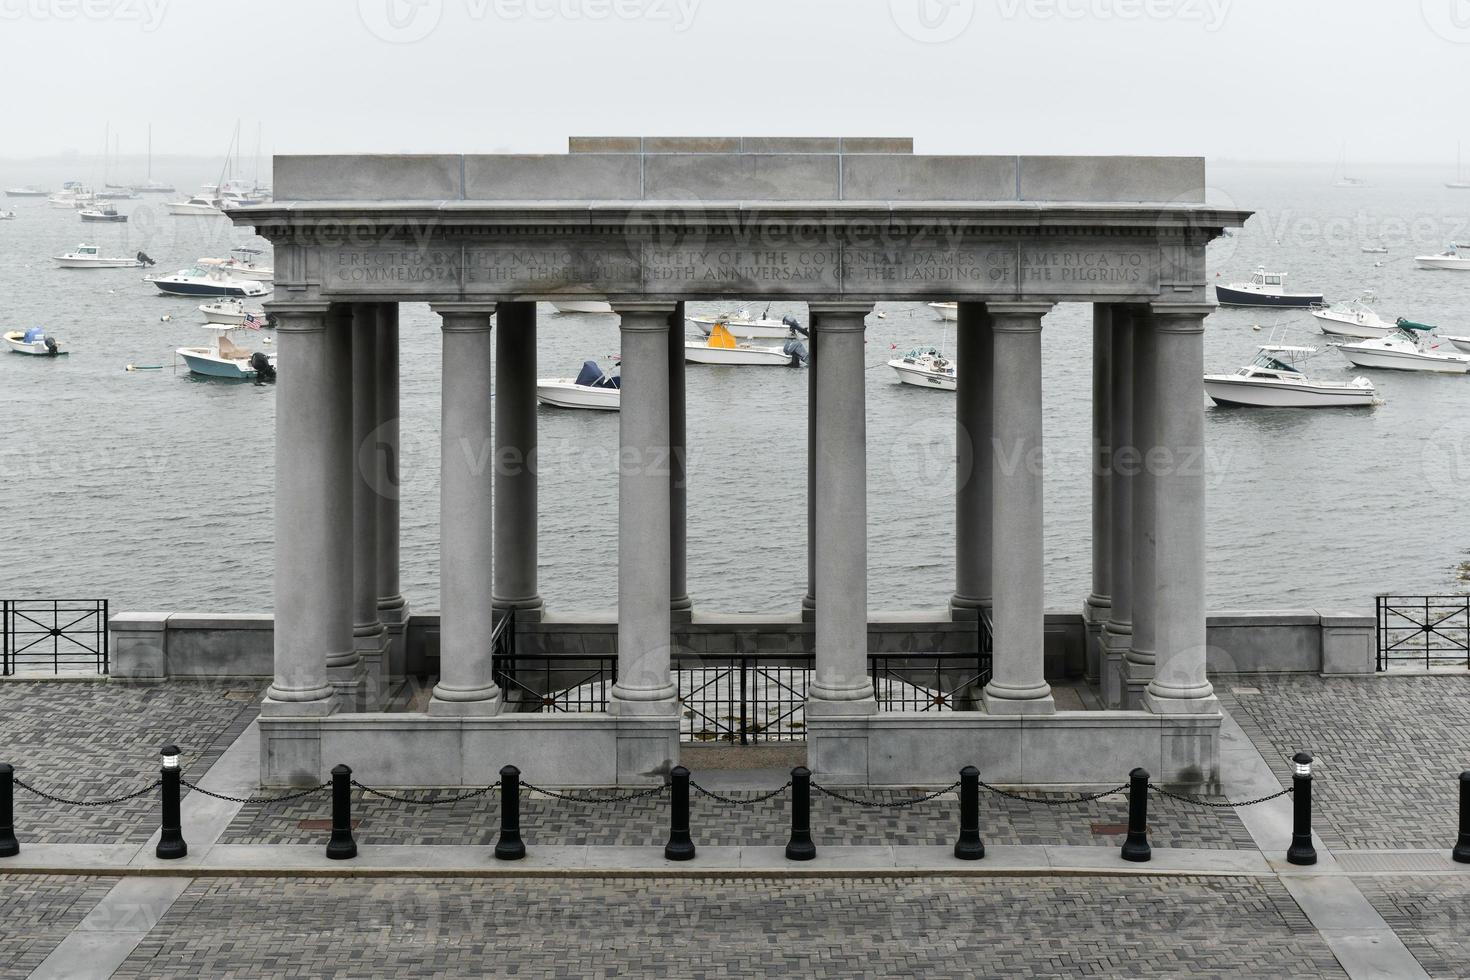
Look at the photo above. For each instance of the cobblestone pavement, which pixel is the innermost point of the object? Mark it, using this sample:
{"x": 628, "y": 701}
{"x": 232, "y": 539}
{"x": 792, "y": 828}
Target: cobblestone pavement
{"x": 1429, "y": 914}
{"x": 1032, "y": 927}
{"x": 93, "y": 740}
{"x": 37, "y": 913}
{"x": 646, "y": 821}
{"x": 1388, "y": 751}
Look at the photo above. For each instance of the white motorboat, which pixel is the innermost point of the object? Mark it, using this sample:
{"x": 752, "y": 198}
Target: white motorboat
{"x": 71, "y": 197}
{"x": 592, "y": 388}
{"x": 721, "y": 348}
{"x": 1264, "y": 289}
{"x": 91, "y": 257}
{"x": 925, "y": 367}
{"x": 1406, "y": 349}
{"x": 225, "y": 359}
{"x": 741, "y": 324}
{"x": 1463, "y": 343}
{"x": 207, "y": 282}
{"x": 583, "y": 306}
{"x": 1275, "y": 379}
{"x": 116, "y": 192}
{"x": 103, "y": 212}
{"x": 243, "y": 263}
{"x": 7, "y": 215}
{"x": 946, "y": 311}
{"x": 1353, "y": 319}
{"x": 1375, "y": 249}
{"x": 26, "y": 192}
{"x": 34, "y": 342}
{"x": 233, "y": 312}
{"x": 196, "y": 205}
{"x": 1451, "y": 258}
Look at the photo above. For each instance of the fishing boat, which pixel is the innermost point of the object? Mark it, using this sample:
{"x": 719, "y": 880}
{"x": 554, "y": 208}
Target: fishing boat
{"x": 1264, "y": 289}
{"x": 1406, "y": 349}
{"x": 1463, "y": 343}
{"x": 741, "y": 324}
{"x": 1275, "y": 379}
{"x": 946, "y": 311}
{"x": 721, "y": 348}
{"x": 243, "y": 263}
{"x": 583, "y": 306}
{"x": 1355, "y": 319}
{"x": 34, "y": 342}
{"x": 223, "y": 358}
{"x": 91, "y": 257}
{"x": 26, "y": 192}
{"x": 925, "y": 367}
{"x": 207, "y": 282}
{"x": 1450, "y": 259}
{"x": 233, "y": 312}
{"x": 592, "y": 388}
{"x": 105, "y": 212}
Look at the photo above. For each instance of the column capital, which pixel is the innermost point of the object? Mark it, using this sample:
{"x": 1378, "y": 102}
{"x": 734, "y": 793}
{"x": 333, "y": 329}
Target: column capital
{"x": 299, "y": 316}
{"x": 464, "y": 317}
{"x": 663, "y": 308}
{"x": 1014, "y": 316}
{"x": 840, "y": 311}
{"x": 1179, "y": 317}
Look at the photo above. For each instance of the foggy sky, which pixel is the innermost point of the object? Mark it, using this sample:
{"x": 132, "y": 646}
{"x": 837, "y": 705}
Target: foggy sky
{"x": 1227, "y": 79}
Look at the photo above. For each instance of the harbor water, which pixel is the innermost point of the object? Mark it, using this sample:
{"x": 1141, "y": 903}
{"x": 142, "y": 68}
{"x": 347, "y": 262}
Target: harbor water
{"x": 154, "y": 489}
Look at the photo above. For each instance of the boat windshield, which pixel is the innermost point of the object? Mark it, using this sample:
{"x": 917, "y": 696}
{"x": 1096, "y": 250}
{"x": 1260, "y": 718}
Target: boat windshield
{"x": 922, "y": 352}
{"x": 592, "y": 376}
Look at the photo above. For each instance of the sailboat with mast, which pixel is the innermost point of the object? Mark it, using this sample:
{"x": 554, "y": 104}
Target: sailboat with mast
{"x": 1341, "y": 177}
{"x": 1459, "y": 183}
{"x": 149, "y": 185}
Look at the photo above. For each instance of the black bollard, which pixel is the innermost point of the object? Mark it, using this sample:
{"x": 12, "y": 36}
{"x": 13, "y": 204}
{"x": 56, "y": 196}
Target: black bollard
{"x": 341, "y": 847}
{"x": 510, "y": 847}
{"x": 171, "y": 832}
{"x": 1461, "y": 852}
{"x": 1136, "y": 847}
{"x": 9, "y": 846}
{"x": 1301, "y": 850}
{"x": 969, "y": 847}
{"x": 680, "y": 846}
{"x": 800, "y": 847}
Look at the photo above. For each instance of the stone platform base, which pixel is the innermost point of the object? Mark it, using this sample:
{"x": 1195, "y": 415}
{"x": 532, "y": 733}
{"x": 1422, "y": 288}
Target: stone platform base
{"x": 1069, "y": 749}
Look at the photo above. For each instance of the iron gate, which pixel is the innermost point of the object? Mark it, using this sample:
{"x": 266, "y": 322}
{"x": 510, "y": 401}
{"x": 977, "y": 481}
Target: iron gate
{"x": 1426, "y": 630}
{"x": 55, "y": 634}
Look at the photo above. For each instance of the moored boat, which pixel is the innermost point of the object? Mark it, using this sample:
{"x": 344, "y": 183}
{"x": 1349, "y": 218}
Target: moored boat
{"x": 946, "y": 311}
{"x": 91, "y": 257}
{"x": 582, "y": 306}
{"x": 721, "y": 348}
{"x": 198, "y": 205}
{"x": 207, "y": 282}
{"x": 1275, "y": 379}
{"x": 1463, "y": 343}
{"x": 1451, "y": 259}
{"x": 1264, "y": 289}
{"x": 592, "y": 388}
{"x": 1355, "y": 319}
{"x": 7, "y": 215}
{"x": 104, "y": 212}
{"x": 34, "y": 342}
{"x": 26, "y": 192}
{"x": 1406, "y": 349}
{"x": 231, "y": 311}
{"x": 741, "y": 324}
{"x": 925, "y": 367}
{"x": 243, "y": 263}
{"x": 225, "y": 359}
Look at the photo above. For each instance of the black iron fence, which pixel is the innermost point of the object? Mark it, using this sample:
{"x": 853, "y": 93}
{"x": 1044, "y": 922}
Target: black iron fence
{"x": 1425, "y": 630}
{"x": 54, "y": 634}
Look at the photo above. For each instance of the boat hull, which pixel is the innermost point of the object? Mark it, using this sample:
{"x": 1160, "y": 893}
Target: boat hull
{"x": 946, "y": 311}
{"x": 697, "y": 353}
{"x": 1334, "y": 327}
{"x": 1442, "y": 263}
{"x": 583, "y": 306}
{"x": 247, "y": 290}
{"x": 563, "y": 393}
{"x": 919, "y": 378}
{"x": 204, "y": 362}
{"x": 78, "y": 263}
{"x": 35, "y": 348}
{"x": 1233, "y": 391}
{"x": 233, "y": 317}
{"x": 104, "y": 218}
{"x": 1463, "y": 343}
{"x": 1231, "y": 296}
{"x": 194, "y": 210}
{"x": 1392, "y": 360}
{"x": 743, "y": 329}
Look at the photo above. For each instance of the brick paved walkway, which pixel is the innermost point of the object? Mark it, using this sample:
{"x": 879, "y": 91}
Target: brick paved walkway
{"x": 1032, "y": 927}
{"x": 1388, "y": 751}
{"x": 1428, "y": 913}
{"x": 91, "y": 740}
{"x": 37, "y": 913}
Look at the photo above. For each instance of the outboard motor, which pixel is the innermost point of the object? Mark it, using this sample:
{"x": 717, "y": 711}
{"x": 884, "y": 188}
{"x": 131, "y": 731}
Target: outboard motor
{"x": 265, "y": 373}
{"x": 794, "y": 325}
{"x": 797, "y": 351}
{"x": 51, "y": 347}
{"x": 143, "y": 259}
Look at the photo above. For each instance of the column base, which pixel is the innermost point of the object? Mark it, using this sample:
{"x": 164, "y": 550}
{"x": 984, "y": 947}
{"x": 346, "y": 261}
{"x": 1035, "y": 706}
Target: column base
{"x": 826, "y": 708}
{"x": 620, "y": 705}
{"x": 1112, "y": 653}
{"x": 1208, "y": 705}
{"x": 1136, "y": 678}
{"x": 1045, "y": 705}
{"x": 681, "y": 609}
{"x": 348, "y": 683}
{"x": 531, "y": 610}
{"x": 373, "y": 654}
{"x": 271, "y": 707}
{"x": 393, "y": 612}
{"x": 1095, "y": 613}
{"x": 808, "y": 609}
{"x": 966, "y": 608}
{"x": 484, "y": 703}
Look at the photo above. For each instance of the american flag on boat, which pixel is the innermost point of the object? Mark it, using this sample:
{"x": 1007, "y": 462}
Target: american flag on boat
{"x": 253, "y": 322}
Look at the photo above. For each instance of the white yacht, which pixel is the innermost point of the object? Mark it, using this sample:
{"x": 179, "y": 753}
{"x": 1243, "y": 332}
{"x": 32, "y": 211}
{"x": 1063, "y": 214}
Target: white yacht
{"x": 946, "y": 311}
{"x": 1264, "y": 289}
{"x": 741, "y": 324}
{"x": 225, "y": 359}
{"x": 1463, "y": 343}
{"x": 1355, "y": 319}
{"x": 583, "y": 306}
{"x": 1406, "y": 349}
{"x": 91, "y": 257}
{"x": 243, "y": 263}
{"x": 26, "y": 192}
{"x": 196, "y": 205}
{"x": 230, "y": 311}
{"x": 926, "y": 367}
{"x": 1275, "y": 379}
{"x": 207, "y": 282}
{"x": 721, "y": 348}
{"x": 71, "y": 197}
{"x": 1452, "y": 258}
{"x": 592, "y": 388}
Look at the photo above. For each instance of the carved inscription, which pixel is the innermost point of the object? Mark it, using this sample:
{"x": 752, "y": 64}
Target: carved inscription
{"x": 549, "y": 266}
{"x": 394, "y": 268}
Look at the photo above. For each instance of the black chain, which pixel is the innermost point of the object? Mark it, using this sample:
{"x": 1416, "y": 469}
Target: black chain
{"x": 1222, "y": 805}
{"x": 734, "y": 802}
{"x": 885, "y": 806}
{"x": 266, "y": 800}
{"x": 395, "y": 798}
{"x": 595, "y": 799}
{"x": 88, "y": 803}
{"x": 1064, "y": 801}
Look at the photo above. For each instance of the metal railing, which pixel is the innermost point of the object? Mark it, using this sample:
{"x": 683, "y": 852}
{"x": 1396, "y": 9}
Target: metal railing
{"x": 1425, "y": 630}
{"x": 53, "y": 634}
